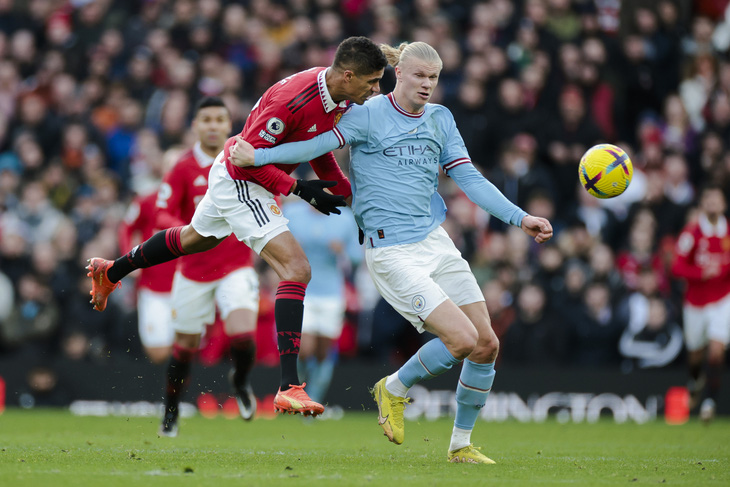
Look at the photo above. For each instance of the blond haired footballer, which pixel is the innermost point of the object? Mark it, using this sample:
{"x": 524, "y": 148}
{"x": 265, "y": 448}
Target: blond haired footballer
{"x": 398, "y": 142}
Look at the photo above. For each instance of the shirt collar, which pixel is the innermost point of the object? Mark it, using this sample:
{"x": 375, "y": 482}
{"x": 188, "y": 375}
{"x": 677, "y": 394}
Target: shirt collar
{"x": 203, "y": 159}
{"x": 324, "y": 94}
{"x": 402, "y": 110}
{"x": 710, "y": 230}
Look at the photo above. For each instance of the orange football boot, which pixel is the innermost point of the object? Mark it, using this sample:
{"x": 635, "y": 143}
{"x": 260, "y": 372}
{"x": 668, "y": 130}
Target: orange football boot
{"x": 101, "y": 286}
{"x": 296, "y": 401}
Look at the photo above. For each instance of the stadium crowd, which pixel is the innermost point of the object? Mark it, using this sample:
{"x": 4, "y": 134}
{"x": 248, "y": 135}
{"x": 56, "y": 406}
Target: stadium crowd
{"x": 93, "y": 93}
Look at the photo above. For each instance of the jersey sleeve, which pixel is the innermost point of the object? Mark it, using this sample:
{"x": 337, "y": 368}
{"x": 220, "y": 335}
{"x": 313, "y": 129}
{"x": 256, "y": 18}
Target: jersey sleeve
{"x": 352, "y": 129}
{"x": 272, "y": 121}
{"x": 354, "y": 126}
{"x": 683, "y": 264}
{"x": 486, "y": 195}
{"x": 297, "y": 152}
{"x": 170, "y": 197}
{"x": 454, "y": 151}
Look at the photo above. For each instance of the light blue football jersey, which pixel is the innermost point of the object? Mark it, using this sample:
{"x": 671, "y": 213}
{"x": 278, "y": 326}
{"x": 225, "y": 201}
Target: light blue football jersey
{"x": 317, "y": 234}
{"x": 394, "y": 167}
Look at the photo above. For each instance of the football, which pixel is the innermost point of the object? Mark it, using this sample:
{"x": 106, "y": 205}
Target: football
{"x": 605, "y": 171}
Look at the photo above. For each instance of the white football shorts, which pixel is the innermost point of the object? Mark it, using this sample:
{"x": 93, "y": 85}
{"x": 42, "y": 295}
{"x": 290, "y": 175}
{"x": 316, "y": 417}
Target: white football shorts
{"x": 154, "y": 317}
{"x": 194, "y": 302}
{"x": 323, "y": 316}
{"x": 705, "y": 323}
{"x": 415, "y": 278}
{"x": 240, "y": 207}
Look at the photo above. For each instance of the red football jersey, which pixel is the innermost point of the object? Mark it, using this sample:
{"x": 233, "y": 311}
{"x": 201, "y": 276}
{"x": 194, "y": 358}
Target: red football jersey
{"x": 294, "y": 109}
{"x": 182, "y": 189}
{"x": 699, "y": 247}
{"x": 139, "y": 225}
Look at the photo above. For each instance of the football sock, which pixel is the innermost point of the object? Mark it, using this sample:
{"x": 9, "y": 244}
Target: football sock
{"x": 304, "y": 369}
{"x": 243, "y": 353}
{"x": 459, "y": 438}
{"x": 431, "y": 360}
{"x": 288, "y": 312}
{"x": 319, "y": 376}
{"x": 178, "y": 371}
{"x": 161, "y": 247}
{"x": 395, "y": 386}
{"x": 475, "y": 382}
{"x": 695, "y": 370}
{"x": 714, "y": 379}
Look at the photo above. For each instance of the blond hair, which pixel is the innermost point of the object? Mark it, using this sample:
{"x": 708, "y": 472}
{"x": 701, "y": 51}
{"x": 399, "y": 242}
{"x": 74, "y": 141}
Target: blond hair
{"x": 415, "y": 50}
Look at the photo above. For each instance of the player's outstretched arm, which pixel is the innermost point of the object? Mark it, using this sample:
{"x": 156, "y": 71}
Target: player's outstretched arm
{"x": 537, "y": 227}
{"x": 482, "y": 192}
{"x": 242, "y": 153}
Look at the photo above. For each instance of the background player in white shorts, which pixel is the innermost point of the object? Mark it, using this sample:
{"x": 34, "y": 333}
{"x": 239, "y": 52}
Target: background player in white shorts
{"x": 331, "y": 245}
{"x": 703, "y": 260}
{"x": 154, "y": 285}
{"x": 398, "y": 144}
{"x": 224, "y": 279}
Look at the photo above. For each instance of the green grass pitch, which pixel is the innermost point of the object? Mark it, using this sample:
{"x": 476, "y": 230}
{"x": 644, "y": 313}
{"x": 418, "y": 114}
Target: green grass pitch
{"x": 53, "y": 448}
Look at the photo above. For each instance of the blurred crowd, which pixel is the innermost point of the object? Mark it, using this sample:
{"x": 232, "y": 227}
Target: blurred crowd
{"x": 95, "y": 93}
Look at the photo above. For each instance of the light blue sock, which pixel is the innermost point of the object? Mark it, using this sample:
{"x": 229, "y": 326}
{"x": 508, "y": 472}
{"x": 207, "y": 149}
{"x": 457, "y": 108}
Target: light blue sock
{"x": 475, "y": 382}
{"x": 301, "y": 370}
{"x": 431, "y": 360}
{"x": 320, "y": 377}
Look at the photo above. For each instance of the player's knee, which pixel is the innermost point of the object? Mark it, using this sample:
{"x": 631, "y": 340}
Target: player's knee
{"x": 464, "y": 343}
{"x": 158, "y": 355}
{"x": 297, "y": 270}
{"x": 192, "y": 242}
{"x": 715, "y": 359}
{"x": 486, "y": 350}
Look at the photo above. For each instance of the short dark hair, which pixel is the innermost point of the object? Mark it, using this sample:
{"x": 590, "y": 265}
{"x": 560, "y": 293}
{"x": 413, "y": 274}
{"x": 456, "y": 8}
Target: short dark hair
{"x": 209, "y": 101}
{"x": 359, "y": 54}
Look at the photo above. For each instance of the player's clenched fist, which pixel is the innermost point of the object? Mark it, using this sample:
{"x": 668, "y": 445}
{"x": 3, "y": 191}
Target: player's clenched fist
{"x": 537, "y": 227}
{"x": 241, "y": 153}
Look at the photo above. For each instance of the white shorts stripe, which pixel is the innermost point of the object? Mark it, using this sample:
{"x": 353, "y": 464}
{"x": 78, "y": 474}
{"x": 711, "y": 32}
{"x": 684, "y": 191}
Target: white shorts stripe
{"x": 240, "y": 207}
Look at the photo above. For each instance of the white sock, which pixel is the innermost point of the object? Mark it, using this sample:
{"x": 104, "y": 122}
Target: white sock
{"x": 459, "y": 438}
{"x": 395, "y": 386}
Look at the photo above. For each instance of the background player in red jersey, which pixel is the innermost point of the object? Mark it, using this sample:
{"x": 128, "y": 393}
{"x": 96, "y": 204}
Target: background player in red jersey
{"x": 154, "y": 285}
{"x": 241, "y": 200}
{"x": 224, "y": 278}
{"x": 703, "y": 259}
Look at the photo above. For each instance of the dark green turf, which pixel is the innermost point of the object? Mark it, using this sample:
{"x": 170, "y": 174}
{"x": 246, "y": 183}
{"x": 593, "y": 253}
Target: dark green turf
{"x": 54, "y": 448}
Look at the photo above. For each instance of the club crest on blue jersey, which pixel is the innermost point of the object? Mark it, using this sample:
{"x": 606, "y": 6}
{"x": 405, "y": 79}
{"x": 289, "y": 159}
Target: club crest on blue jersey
{"x": 275, "y": 126}
{"x": 418, "y": 302}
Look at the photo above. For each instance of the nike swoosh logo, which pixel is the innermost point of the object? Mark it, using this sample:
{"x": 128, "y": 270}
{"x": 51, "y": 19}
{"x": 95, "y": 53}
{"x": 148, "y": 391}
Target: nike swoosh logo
{"x": 381, "y": 418}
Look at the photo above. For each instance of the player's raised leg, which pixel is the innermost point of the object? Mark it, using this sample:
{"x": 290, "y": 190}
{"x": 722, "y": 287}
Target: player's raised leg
{"x": 163, "y": 246}
{"x": 475, "y": 382}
